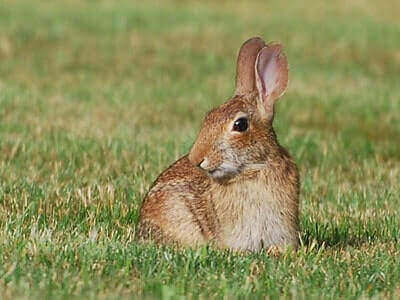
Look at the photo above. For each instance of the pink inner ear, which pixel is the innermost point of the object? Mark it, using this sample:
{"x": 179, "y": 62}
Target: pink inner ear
{"x": 272, "y": 72}
{"x": 269, "y": 75}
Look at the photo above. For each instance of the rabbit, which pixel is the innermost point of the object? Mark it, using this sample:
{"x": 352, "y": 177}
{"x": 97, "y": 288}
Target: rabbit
{"x": 237, "y": 188}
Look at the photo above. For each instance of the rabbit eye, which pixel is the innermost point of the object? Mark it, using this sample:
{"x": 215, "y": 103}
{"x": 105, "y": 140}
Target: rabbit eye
{"x": 241, "y": 125}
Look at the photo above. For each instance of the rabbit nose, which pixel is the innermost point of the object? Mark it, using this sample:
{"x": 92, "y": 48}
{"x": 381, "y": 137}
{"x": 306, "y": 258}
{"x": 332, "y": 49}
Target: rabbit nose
{"x": 199, "y": 163}
{"x": 203, "y": 164}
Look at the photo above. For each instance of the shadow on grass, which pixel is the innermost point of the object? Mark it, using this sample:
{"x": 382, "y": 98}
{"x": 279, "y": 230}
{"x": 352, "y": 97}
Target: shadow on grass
{"x": 350, "y": 232}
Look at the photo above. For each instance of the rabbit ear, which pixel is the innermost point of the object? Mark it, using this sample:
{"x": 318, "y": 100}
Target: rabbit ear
{"x": 271, "y": 70}
{"x": 245, "y": 77}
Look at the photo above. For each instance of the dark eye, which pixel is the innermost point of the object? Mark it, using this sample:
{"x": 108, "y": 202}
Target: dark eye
{"x": 241, "y": 125}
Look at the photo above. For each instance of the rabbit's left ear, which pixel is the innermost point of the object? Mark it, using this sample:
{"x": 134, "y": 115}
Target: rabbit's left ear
{"x": 245, "y": 78}
{"x": 271, "y": 69}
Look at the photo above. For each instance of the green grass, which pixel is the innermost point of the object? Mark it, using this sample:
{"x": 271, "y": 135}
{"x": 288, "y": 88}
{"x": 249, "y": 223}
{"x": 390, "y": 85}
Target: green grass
{"x": 98, "y": 97}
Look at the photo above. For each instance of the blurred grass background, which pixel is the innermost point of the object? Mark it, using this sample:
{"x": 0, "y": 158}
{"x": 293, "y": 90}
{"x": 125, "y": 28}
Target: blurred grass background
{"x": 98, "y": 97}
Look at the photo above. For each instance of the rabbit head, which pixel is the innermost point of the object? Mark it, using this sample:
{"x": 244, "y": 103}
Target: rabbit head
{"x": 238, "y": 135}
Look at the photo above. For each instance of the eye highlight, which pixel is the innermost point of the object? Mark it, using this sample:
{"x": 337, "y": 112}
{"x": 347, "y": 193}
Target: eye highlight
{"x": 240, "y": 124}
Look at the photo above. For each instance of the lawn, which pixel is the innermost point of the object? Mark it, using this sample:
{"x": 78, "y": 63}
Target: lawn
{"x": 98, "y": 97}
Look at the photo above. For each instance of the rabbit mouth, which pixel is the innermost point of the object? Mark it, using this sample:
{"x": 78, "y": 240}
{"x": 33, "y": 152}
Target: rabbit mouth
{"x": 224, "y": 171}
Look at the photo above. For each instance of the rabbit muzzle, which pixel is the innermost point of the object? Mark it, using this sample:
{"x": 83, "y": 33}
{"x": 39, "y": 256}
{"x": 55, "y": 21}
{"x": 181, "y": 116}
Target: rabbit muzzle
{"x": 224, "y": 170}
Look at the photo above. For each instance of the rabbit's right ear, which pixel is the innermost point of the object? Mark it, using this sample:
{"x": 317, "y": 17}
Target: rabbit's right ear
{"x": 245, "y": 77}
{"x": 271, "y": 71}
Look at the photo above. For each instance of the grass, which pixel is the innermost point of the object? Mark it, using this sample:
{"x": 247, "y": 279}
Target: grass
{"x": 97, "y": 98}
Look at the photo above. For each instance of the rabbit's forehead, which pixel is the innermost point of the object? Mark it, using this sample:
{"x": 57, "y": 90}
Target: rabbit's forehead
{"x": 226, "y": 112}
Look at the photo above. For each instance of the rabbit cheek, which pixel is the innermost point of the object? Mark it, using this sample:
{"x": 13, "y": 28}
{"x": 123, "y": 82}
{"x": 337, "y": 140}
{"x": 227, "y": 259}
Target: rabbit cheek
{"x": 225, "y": 162}
{"x": 239, "y": 145}
{"x": 212, "y": 161}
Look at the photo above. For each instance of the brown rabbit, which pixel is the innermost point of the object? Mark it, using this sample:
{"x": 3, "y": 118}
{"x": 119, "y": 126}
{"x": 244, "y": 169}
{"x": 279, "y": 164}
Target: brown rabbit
{"x": 237, "y": 188}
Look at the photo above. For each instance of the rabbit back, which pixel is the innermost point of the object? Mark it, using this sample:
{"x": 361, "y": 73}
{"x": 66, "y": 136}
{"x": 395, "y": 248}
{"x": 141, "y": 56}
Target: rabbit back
{"x": 176, "y": 209}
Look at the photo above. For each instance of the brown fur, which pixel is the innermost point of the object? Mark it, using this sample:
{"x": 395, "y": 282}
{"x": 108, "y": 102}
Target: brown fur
{"x": 239, "y": 190}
